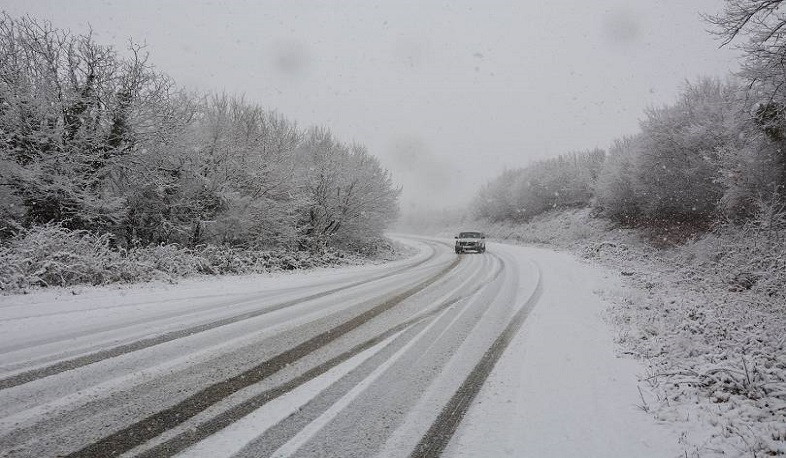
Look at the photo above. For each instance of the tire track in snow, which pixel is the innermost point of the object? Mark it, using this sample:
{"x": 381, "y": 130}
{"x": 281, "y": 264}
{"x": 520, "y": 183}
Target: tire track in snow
{"x": 91, "y": 358}
{"x": 284, "y": 438}
{"x": 438, "y": 436}
{"x": 302, "y": 436}
{"x": 148, "y": 428}
{"x": 193, "y": 435}
{"x": 59, "y": 422}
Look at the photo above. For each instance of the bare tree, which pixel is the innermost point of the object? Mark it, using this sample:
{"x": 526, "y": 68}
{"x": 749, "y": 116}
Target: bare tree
{"x": 759, "y": 26}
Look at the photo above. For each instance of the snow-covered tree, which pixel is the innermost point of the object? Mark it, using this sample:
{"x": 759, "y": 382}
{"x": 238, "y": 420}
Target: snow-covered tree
{"x": 349, "y": 195}
{"x": 758, "y": 28}
{"x": 73, "y": 115}
{"x": 91, "y": 139}
{"x": 565, "y": 181}
{"x": 614, "y": 189}
{"x": 679, "y": 163}
{"x": 245, "y": 172}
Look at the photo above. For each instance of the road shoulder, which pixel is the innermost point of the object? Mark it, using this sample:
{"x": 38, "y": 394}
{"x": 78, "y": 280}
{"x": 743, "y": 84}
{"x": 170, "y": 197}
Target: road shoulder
{"x": 560, "y": 390}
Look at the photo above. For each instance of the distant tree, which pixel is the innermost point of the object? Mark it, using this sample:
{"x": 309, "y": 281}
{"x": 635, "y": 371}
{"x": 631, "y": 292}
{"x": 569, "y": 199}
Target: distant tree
{"x": 496, "y": 199}
{"x": 562, "y": 182}
{"x": 615, "y": 189}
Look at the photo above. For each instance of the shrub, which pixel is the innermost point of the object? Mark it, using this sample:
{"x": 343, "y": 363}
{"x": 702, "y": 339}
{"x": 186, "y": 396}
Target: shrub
{"x": 566, "y": 181}
{"x": 52, "y": 255}
{"x": 614, "y": 189}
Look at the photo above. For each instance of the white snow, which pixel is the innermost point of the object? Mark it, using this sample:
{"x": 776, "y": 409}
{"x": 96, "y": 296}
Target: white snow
{"x": 559, "y": 390}
{"x": 232, "y": 439}
{"x": 714, "y": 351}
{"x": 33, "y": 326}
{"x": 291, "y": 447}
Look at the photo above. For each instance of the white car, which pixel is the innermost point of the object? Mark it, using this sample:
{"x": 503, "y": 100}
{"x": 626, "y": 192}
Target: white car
{"x": 470, "y": 241}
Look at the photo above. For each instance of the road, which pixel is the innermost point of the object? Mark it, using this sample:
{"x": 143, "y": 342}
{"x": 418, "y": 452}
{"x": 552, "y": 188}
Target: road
{"x": 385, "y": 359}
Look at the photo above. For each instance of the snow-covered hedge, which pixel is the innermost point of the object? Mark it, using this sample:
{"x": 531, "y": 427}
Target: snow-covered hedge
{"x": 54, "y": 256}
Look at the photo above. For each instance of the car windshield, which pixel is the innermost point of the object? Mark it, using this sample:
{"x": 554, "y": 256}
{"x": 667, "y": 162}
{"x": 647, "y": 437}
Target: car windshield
{"x": 469, "y": 235}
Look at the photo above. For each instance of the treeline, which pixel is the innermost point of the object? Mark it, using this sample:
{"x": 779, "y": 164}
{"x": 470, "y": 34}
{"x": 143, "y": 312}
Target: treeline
{"x": 519, "y": 194}
{"x": 96, "y": 140}
{"x": 717, "y": 154}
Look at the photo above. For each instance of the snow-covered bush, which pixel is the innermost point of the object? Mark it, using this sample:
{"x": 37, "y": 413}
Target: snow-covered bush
{"x": 748, "y": 258}
{"x": 52, "y": 255}
{"x": 566, "y": 181}
{"x": 168, "y": 261}
{"x": 614, "y": 189}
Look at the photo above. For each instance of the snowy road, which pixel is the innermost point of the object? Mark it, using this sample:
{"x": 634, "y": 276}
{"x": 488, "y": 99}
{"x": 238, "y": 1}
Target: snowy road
{"x": 396, "y": 359}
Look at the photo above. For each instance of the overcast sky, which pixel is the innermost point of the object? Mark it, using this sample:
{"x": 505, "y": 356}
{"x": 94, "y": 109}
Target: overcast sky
{"x": 447, "y": 94}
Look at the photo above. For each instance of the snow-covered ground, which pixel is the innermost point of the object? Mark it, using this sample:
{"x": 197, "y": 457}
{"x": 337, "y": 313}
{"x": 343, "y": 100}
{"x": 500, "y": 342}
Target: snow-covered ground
{"x": 370, "y": 355}
{"x": 560, "y": 390}
{"x": 705, "y": 318}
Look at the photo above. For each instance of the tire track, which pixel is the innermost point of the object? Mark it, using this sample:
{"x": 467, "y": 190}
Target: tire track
{"x": 91, "y": 358}
{"x": 148, "y": 428}
{"x": 410, "y": 366}
{"x": 59, "y": 422}
{"x": 438, "y": 436}
{"x": 194, "y": 434}
{"x": 226, "y": 418}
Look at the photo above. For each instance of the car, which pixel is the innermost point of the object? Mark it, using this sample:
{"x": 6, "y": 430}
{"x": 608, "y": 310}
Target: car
{"x": 470, "y": 241}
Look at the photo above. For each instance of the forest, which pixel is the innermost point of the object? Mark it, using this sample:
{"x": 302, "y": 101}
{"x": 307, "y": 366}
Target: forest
{"x": 109, "y": 171}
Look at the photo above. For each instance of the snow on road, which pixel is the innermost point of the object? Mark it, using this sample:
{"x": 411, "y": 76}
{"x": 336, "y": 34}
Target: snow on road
{"x": 352, "y": 362}
{"x": 232, "y": 439}
{"x": 559, "y": 390}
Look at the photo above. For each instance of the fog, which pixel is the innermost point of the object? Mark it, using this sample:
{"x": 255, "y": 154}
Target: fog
{"x": 447, "y": 94}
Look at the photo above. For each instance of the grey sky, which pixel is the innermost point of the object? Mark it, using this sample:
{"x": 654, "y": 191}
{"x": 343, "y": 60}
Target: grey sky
{"x": 448, "y": 93}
